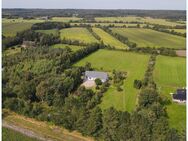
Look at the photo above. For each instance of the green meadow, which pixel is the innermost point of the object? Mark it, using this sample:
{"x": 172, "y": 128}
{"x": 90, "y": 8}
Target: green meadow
{"x": 108, "y": 39}
{"x": 51, "y": 31}
{"x": 170, "y": 74}
{"x": 66, "y": 19}
{"x": 132, "y": 63}
{"x": 81, "y": 34}
{"x": 11, "y": 51}
{"x": 72, "y": 47}
{"x": 150, "y": 38}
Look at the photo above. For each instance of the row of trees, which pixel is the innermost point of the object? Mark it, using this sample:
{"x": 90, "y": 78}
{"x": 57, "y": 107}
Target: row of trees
{"x": 49, "y": 25}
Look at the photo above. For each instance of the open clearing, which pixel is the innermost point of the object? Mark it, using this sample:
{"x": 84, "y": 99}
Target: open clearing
{"x": 170, "y": 74}
{"x": 72, "y": 47}
{"x": 11, "y": 51}
{"x": 132, "y": 63}
{"x": 10, "y": 29}
{"x": 151, "y": 38}
{"x": 43, "y": 129}
{"x": 51, "y": 31}
{"x": 108, "y": 39}
{"x": 81, "y": 34}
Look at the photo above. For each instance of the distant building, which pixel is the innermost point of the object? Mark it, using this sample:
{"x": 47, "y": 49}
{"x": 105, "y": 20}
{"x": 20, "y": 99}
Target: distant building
{"x": 179, "y": 96}
{"x": 92, "y": 75}
{"x": 27, "y": 44}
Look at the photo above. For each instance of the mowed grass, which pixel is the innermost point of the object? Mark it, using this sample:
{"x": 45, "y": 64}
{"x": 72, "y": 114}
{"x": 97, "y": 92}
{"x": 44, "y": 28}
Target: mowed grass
{"x": 66, "y": 19}
{"x": 108, "y": 39}
{"x": 54, "y": 32}
{"x": 170, "y": 74}
{"x": 11, "y": 135}
{"x": 150, "y": 38}
{"x": 81, "y": 34}
{"x": 10, "y": 29}
{"x": 132, "y": 63}
{"x": 72, "y": 47}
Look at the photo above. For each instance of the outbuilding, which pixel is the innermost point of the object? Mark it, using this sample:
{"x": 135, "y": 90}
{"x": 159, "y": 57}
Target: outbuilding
{"x": 92, "y": 75}
{"x": 179, "y": 96}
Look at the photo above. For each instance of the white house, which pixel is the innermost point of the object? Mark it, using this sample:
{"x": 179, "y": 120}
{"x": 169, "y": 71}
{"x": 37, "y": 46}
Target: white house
{"x": 92, "y": 75}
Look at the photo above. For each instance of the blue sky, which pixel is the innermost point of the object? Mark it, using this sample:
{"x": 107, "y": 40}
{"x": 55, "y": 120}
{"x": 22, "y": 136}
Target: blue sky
{"x": 97, "y": 4}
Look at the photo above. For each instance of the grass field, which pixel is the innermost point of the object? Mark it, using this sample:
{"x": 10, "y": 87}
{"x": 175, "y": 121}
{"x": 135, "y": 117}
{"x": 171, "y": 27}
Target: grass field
{"x": 151, "y": 38}
{"x": 180, "y": 30}
{"x": 81, "y": 34}
{"x": 10, "y": 29}
{"x": 44, "y": 129}
{"x": 66, "y": 19}
{"x": 11, "y": 135}
{"x": 108, "y": 39}
{"x": 12, "y": 51}
{"x": 138, "y": 19}
{"x": 170, "y": 74}
{"x": 51, "y": 31}
{"x": 72, "y": 47}
{"x": 21, "y": 20}
{"x": 132, "y": 63}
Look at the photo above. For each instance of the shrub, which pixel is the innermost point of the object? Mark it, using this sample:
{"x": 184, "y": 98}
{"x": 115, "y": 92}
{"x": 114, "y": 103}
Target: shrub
{"x": 98, "y": 82}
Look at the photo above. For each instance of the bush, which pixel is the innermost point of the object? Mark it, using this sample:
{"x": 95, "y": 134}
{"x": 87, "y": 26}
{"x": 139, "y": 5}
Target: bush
{"x": 98, "y": 82}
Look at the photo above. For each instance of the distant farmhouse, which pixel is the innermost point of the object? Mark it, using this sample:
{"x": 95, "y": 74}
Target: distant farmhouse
{"x": 92, "y": 75}
{"x": 27, "y": 44}
{"x": 179, "y": 96}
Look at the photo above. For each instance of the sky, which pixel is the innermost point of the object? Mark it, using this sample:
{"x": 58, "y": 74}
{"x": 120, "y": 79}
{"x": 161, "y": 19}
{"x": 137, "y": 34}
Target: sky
{"x": 97, "y": 4}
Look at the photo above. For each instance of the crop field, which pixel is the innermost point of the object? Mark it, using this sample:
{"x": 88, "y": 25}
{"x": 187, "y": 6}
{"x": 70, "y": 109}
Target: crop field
{"x": 170, "y": 74}
{"x": 11, "y": 135}
{"x": 138, "y": 19}
{"x": 21, "y": 20}
{"x": 66, "y": 19}
{"x": 10, "y": 29}
{"x": 108, "y": 39}
{"x": 151, "y": 38}
{"x": 72, "y": 47}
{"x": 51, "y": 31}
{"x": 81, "y": 34}
{"x": 108, "y": 61}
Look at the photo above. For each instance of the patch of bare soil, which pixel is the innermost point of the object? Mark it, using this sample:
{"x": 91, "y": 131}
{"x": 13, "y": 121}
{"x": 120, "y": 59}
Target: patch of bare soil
{"x": 181, "y": 53}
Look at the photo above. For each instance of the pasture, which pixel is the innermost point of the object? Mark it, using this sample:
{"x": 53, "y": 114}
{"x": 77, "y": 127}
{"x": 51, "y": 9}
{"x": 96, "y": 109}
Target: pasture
{"x": 150, "y": 38}
{"x": 11, "y": 51}
{"x": 81, "y": 34}
{"x": 108, "y": 39}
{"x": 170, "y": 74}
{"x": 72, "y": 47}
{"x": 66, "y": 19}
{"x": 132, "y": 63}
{"x": 51, "y": 31}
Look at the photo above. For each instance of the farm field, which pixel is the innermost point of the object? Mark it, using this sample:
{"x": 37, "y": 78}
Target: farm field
{"x": 11, "y": 135}
{"x": 107, "y": 60}
{"x": 108, "y": 39}
{"x": 10, "y": 29}
{"x": 170, "y": 74}
{"x": 72, "y": 47}
{"x": 180, "y": 30}
{"x": 44, "y": 129}
{"x": 137, "y": 19}
{"x": 81, "y": 34}
{"x": 21, "y": 20}
{"x": 151, "y": 38}
{"x": 51, "y": 31}
{"x": 66, "y": 19}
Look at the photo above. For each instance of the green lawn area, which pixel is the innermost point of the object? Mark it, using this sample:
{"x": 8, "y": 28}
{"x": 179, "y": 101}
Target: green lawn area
{"x": 65, "y": 19}
{"x": 51, "y": 31}
{"x": 108, "y": 39}
{"x": 72, "y": 47}
{"x": 10, "y": 29}
{"x": 132, "y": 63}
{"x": 81, "y": 34}
{"x": 170, "y": 74}
{"x": 11, "y": 135}
{"x": 147, "y": 37}
{"x": 12, "y": 51}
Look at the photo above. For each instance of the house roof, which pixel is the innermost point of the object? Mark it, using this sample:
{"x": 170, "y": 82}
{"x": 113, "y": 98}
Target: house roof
{"x": 97, "y": 74}
{"x": 180, "y": 94}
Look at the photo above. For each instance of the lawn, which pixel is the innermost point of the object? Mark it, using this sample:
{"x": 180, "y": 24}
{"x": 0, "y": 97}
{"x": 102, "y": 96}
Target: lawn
{"x": 51, "y": 31}
{"x": 150, "y": 38}
{"x": 108, "y": 39}
{"x": 132, "y": 63}
{"x": 10, "y": 29}
{"x": 170, "y": 74}
{"x": 66, "y": 19}
{"x": 44, "y": 129}
{"x": 81, "y": 34}
{"x": 11, "y": 135}
{"x": 72, "y": 47}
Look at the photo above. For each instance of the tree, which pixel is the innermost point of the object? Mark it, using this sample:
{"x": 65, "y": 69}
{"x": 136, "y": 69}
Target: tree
{"x": 42, "y": 90}
{"x": 137, "y": 84}
{"x": 98, "y": 82}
